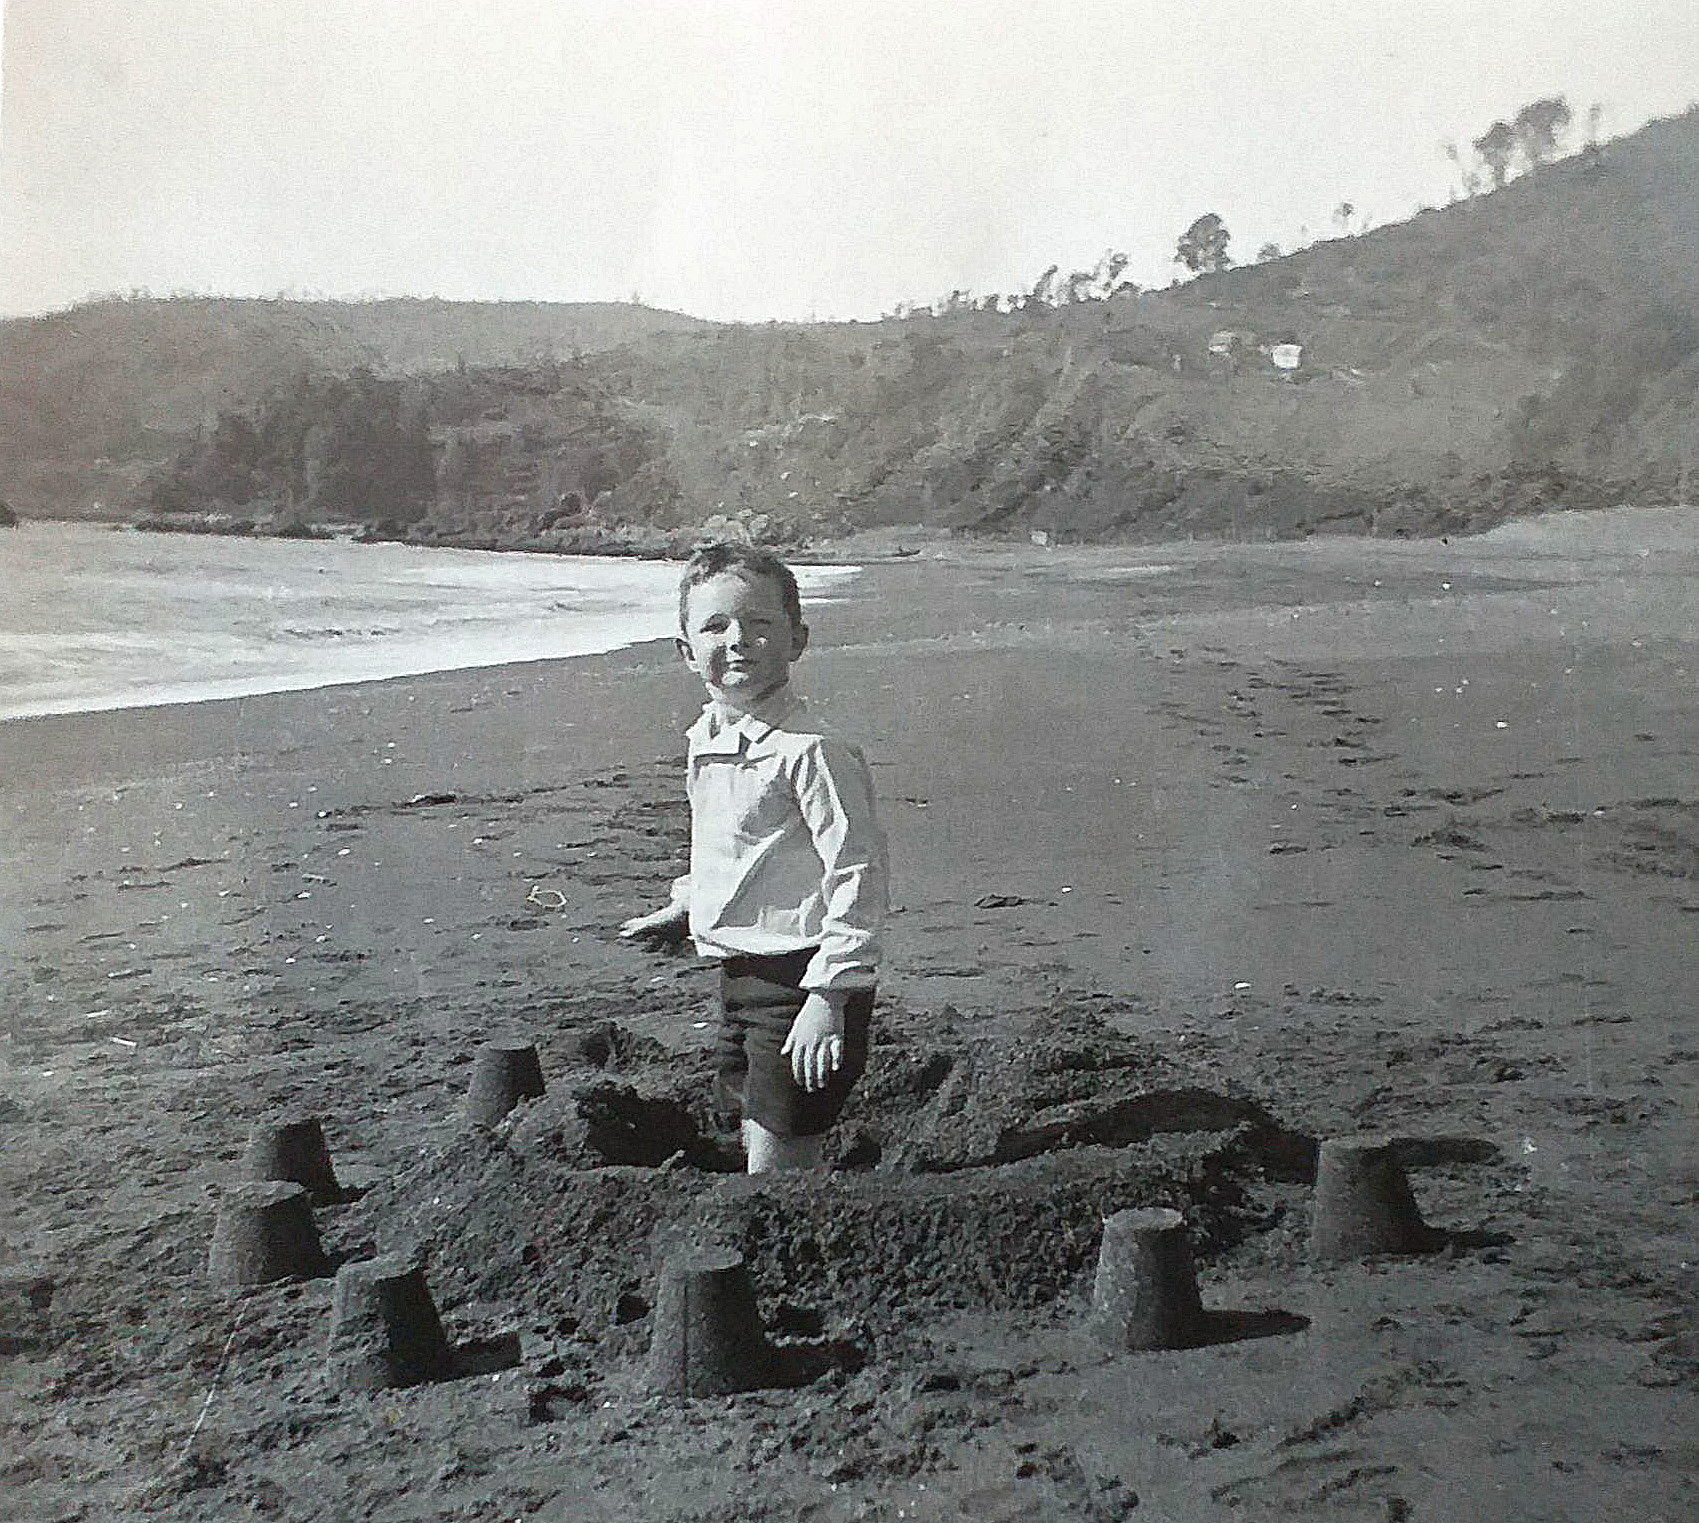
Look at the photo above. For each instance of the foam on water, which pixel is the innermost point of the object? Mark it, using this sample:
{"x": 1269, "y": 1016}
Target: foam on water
{"x": 96, "y": 619}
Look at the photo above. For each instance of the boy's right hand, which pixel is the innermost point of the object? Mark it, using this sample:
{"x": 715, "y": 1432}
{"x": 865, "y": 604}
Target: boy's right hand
{"x": 664, "y": 926}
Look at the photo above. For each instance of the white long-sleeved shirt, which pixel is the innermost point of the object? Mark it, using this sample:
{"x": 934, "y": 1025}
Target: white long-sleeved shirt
{"x": 785, "y": 846}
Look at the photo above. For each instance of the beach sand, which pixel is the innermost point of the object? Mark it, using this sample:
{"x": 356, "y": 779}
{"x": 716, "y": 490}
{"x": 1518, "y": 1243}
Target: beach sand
{"x": 1390, "y": 837}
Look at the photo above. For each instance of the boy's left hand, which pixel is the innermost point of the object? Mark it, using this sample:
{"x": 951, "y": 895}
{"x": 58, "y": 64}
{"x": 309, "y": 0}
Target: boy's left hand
{"x": 815, "y": 1045}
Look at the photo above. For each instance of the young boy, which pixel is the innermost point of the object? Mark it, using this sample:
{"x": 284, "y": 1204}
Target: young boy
{"x": 787, "y": 880}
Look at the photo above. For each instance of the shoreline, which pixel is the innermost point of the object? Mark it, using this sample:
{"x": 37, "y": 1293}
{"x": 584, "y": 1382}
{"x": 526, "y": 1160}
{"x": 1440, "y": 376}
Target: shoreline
{"x": 187, "y": 695}
{"x": 296, "y": 619}
{"x": 1257, "y": 599}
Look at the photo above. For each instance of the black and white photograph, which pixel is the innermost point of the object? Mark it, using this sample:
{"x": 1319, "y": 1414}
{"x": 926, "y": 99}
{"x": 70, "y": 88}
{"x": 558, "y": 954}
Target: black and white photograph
{"x": 849, "y": 762}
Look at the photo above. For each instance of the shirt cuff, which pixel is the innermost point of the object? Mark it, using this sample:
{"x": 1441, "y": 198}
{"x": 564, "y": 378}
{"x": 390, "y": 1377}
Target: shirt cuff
{"x": 832, "y": 972}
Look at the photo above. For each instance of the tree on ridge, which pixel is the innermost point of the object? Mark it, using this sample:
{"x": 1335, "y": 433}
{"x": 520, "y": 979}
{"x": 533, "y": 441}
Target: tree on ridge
{"x": 1539, "y": 129}
{"x": 1203, "y": 246}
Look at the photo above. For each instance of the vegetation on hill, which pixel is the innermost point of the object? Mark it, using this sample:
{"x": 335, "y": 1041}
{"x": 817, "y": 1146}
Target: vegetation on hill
{"x": 94, "y": 398}
{"x": 1535, "y": 346}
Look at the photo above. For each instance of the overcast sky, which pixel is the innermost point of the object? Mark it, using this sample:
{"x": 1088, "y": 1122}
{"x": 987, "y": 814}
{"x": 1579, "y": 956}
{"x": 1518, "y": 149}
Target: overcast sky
{"x": 750, "y": 158}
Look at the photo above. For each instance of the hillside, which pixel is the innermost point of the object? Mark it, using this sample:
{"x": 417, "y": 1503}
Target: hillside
{"x": 93, "y": 398}
{"x": 1534, "y": 347}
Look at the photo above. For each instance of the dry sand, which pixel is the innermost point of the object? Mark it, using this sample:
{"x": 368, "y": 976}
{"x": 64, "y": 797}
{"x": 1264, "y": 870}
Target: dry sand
{"x": 1346, "y": 835}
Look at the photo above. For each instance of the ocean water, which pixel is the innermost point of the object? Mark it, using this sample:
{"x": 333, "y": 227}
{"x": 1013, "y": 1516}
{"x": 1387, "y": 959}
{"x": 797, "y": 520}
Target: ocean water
{"x": 96, "y": 618}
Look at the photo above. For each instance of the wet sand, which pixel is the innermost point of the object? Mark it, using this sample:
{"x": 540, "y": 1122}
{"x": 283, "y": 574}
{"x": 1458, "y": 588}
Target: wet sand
{"x": 1387, "y": 836}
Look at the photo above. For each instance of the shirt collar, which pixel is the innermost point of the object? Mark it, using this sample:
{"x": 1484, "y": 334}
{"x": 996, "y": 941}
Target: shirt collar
{"x": 722, "y": 731}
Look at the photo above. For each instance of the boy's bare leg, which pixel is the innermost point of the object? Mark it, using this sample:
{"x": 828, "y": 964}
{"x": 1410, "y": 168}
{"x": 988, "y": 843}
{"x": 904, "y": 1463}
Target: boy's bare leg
{"x": 770, "y": 1154}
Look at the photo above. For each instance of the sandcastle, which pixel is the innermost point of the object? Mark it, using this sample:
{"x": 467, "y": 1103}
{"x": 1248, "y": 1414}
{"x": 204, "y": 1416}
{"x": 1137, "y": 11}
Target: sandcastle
{"x": 979, "y": 1176}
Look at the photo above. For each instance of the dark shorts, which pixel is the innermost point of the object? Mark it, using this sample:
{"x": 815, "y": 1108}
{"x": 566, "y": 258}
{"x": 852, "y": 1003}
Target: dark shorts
{"x": 759, "y": 998}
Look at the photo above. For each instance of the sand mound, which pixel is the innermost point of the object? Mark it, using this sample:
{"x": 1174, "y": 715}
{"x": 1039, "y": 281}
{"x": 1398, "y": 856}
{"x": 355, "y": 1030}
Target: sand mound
{"x": 971, "y": 1174}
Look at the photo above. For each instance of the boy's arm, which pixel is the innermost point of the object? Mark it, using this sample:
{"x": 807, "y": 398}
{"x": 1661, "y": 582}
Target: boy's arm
{"x": 668, "y": 924}
{"x": 834, "y": 791}
{"x": 815, "y": 1043}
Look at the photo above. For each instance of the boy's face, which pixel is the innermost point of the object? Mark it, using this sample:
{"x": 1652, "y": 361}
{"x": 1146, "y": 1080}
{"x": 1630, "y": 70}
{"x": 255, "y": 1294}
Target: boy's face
{"x": 738, "y": 638}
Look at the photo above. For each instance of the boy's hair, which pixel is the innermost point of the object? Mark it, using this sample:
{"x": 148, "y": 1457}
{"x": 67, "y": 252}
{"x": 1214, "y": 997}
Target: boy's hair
{"x": 740, "y": 560}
